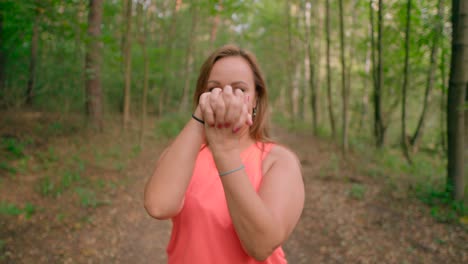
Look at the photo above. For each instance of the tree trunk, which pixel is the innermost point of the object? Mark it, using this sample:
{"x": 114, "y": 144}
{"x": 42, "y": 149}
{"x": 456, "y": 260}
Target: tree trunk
{"x": 216, "y": 20}
{"x": 189, "y": 58}
{"x": 329, "y": 89}
{"x": 167, "y": 59}
{"x": 142, "y": 40}
{"x": 93, "y": 66}
{"x": 311, "y": 68}
{"x": 344, "y": 92}
{"x": 443, "y": 101}
{"x": 458, "y": 82}
{"x": 379, "y": 130}
{"x": 290, "y": 62}
{"x": 404, "y": 140}
{"x": 351, "y": 50}
{"x": 317, "y": 59}
{"x": 33, "y": 57}
{"x": 128, "y": 64}
{"x": 430, "y": 76}
{"x": 2, "y": 57}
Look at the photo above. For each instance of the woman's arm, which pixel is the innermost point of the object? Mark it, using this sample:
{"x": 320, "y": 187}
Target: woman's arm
{"x": 165, "y": 190}
{"x": 263, "y": 221}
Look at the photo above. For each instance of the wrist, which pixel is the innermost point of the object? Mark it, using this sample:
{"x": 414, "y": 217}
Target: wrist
{"x": 198, "y": 112}
{"x": 225, "y": 152}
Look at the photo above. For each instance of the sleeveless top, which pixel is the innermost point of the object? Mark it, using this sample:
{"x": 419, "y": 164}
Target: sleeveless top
{"x": 203, "y": 232}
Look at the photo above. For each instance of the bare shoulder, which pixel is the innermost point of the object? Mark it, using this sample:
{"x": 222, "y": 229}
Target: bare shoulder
{"x": 282, "y": 156}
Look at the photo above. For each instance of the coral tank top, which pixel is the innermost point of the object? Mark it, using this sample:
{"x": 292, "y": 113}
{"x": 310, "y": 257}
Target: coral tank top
{"x": 203, "y": 232}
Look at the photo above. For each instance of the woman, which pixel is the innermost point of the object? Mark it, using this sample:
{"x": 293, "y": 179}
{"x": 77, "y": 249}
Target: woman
{"x": 232, "y": 194}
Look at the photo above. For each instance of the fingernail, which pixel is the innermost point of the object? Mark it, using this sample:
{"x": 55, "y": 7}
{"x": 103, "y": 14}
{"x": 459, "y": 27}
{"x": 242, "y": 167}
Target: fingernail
{"x": 212, "y": 125}
{"x": 235, "y": 130}
{"x": 220, "y": 126}
{"x": 227, "y": 125}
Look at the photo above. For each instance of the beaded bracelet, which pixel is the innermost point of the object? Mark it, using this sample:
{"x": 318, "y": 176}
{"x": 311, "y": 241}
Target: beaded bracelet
{"x": 232, "y": 171}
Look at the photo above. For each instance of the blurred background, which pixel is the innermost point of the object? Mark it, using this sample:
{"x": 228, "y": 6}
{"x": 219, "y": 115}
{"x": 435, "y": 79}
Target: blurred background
{"x": 371, "y": 94}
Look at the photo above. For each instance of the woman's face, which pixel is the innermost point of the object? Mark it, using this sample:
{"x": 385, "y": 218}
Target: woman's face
{"x": 236, "y": 72}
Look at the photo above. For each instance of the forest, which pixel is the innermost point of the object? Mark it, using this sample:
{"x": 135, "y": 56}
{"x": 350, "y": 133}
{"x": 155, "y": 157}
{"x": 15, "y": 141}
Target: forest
{"x": 372, "y": 96}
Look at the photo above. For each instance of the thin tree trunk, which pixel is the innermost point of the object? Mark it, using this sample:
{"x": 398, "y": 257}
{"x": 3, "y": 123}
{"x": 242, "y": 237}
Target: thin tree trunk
{"x": 189, "y": 58}
{"x": 164, "y": 91}
{"x": 290, "y": 60}
{"x": 216, "y": 20}
{"x": 329, "y": 89}
{"x": 33, "y": 58}
{"x": 443, "y": 106}
{"x": 128, "y": 65}
{"x": 458, "y": 82}
{"x": 379, "y": 130}
{"x": 142, "y": 40}
{"x": 430, "y": 76}
{"x": 365, "y": 97}
{"x": 317, "y": 58}
{"x": 93, "y": 66}
{"x": 2, "y": 57}
{"x": 404, "y": 140}
{"x": 344, "y": 92}
{"x": 350, "y": 57}
{"x": 311, "y": 68}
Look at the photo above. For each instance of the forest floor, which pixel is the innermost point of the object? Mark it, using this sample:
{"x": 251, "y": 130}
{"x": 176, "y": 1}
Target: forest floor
{"x": 70, "y": 196}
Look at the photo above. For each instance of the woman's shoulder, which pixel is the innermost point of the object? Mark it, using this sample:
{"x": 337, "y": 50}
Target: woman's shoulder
{"x": 279, "y": 153}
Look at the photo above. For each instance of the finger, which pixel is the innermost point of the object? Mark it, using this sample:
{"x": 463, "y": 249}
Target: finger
{"x": 219, "y": 109}
{"x": 249, "y": 119}
{"x": 205, "y": 107}
{"x": 239, "y": 94}
{"x": 241, "y": 120}
{"x": 235, "y": 111}
{"x": 228, "y": 97}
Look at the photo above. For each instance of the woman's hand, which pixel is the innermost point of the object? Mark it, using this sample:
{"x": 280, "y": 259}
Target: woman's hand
{"x": 225, "y": 112}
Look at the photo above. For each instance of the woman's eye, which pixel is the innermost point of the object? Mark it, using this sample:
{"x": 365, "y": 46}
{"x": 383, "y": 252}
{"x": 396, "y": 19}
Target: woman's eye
{"x": 210, "y": 89}
{"x": 242, "y": 89}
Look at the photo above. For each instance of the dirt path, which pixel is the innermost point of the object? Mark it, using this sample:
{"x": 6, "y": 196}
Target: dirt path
{"x": 334, "y": 227}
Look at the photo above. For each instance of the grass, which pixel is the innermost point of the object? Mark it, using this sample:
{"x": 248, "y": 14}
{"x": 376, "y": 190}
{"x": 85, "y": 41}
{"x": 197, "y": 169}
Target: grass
{"x": 11, "y": 209}
{"x": 88, "y": 198}
{"x": 357, "y": 191}
{"x": 425, "y": 177}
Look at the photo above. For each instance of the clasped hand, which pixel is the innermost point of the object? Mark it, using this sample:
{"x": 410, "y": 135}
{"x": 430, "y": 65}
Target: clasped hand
{"x": 225, "y": 112}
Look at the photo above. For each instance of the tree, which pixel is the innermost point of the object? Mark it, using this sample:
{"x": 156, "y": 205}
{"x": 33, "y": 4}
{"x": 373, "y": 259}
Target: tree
{"x": 93, "y": 66}
{"x": 344, "y": 92}
{"x": 430, "y": 74}
{"x": 33, "y": 57}
{"x": 128, "y": 64}
{"x": 404, "y": 140}
{"x": 2, "y": 55}
{"x": 310, "y": 67}
{"x": 458, "y": 81}
{"x": 189, "y": 57}
{"x": 329, "y": 89}
{"x": 379, "y": 129}
{"x": 142, "y": 33}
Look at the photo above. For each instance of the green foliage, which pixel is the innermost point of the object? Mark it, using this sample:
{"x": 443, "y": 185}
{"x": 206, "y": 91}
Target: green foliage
{"x": 4, "y": 166}
{"x": 442, "y": 207}
{"x": 47, "y": 186}
{"x": 171, "y": 124}
{"x": 357, "y": 191}
{"x": 426, "y": 177}
{"x": 12, "y": 210}
{"x": 13, "y": 146}
{"x": 88, "y": 198}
